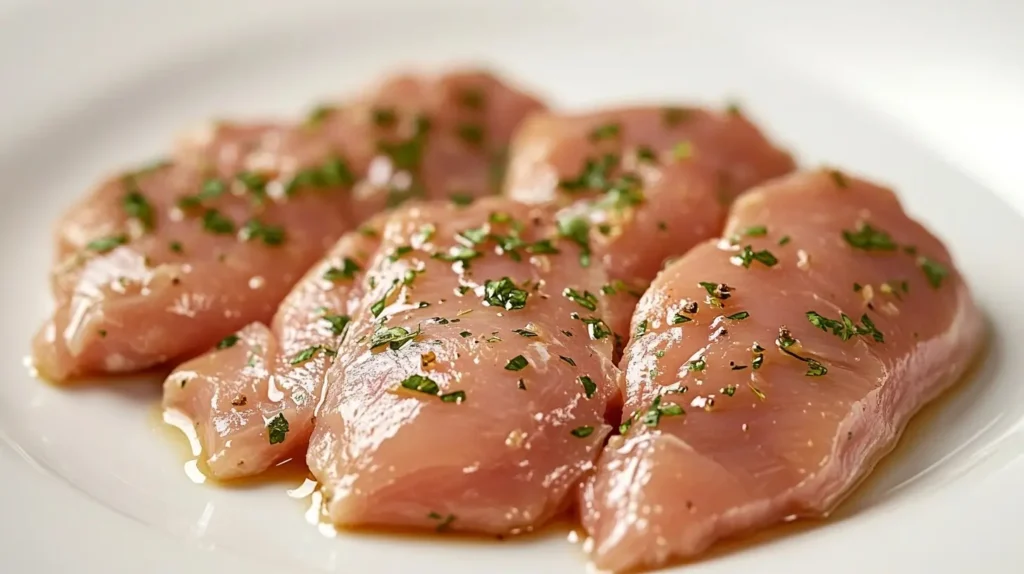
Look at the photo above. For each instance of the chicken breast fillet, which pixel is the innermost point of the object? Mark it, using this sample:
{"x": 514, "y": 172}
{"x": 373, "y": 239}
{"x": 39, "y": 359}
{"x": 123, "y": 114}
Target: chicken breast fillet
{"x": 770, "y": 371}
{"x": 159, "y": 264}
{"x": 471, "y": 388}
{"x": 673, "y": 170}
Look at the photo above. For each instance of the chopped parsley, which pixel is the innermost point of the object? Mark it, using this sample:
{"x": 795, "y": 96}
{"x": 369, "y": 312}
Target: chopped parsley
{"x": 652, "y": 417}
{"x": 934, "y": 271}
{"x": 845, "y": 328}
{"x": 567, "y": 360}
{"x": 594, "y": 174}
{"x": 105, "y": 244}
{"x": 604, "y": 132}
{"x": 176, "y": 247}
{"x": 596, "y": 328}
{"x": 815, "y": 369}
{"x": 137, "y": 207}
{"x": 783, "y": 240}
{"x": 309, "y": 352}
{"x": 457, "y": 397}
{"x": 216, "y": 223}
{"x": 458, "y": 253}
{"x": 542, "y": 247}
{"x": 319, "y": 114}
{"x": 577, "y": 230}
{"x": 421, "y": 384}
{"x": 394, "y": 337}
{"x": 679, "y": 319}
{"x": 641, "y": 328}
{"x": 348, "y": 270}
{"x": 697, "y": 365}
{"x": 277, "y": 429}
{"x": 869, "y": 239}
{"x": 582, "y": 432}
{"x": 728, "y": 391}
{"x": 587, "y": 300}
{"x": 461, "y": 199}
{"x": 646, "y": 154}
{"x": 337, "y": 322}
{"x": 738, "y": 316}
{"x": 516, "y": 363}
{"x": 465, "y": 334}
{"x": 228, "y": 342}
{"x": 334, "y": 172}
{"x": 748, "y": 256}
{"x": 589, "y": 386}
{"x": 755, "y": 231}
{"x": 504, "y": 293}
{"x": 269, "y": 234}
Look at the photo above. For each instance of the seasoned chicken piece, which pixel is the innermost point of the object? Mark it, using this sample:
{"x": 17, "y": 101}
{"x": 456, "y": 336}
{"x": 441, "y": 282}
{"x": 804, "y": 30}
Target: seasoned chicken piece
{"x": 646, "y": 183}
{"x": 161, "y": 263}
{"x": 252, "y": 397}
{"x": 771, "y": 371}
{"x": 471, "y": 388}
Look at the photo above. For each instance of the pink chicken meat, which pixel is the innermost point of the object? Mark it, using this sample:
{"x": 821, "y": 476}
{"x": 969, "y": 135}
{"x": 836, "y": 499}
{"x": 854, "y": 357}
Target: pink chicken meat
{"x": 770, "y": 371}
{"x": 471, "y": 388}
{"x": 648, "y": 183}
{"x": 159, "y": 264}
{"x": 236, "y": 436}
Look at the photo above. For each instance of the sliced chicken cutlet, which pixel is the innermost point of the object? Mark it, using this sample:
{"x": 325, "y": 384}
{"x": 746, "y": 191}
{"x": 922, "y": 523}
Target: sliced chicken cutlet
{"x": 644, "y": 184}
{"x": 252, "y": 397}
{"x": 161, "y": 263}
{"x": 769, "y": 372}
{"x": 471, "y": 388}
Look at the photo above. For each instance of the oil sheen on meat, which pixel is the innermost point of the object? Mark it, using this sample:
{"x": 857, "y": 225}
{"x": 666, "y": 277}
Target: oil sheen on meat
{"x": 161, "y": 263}
{"x": 770, "y": 371}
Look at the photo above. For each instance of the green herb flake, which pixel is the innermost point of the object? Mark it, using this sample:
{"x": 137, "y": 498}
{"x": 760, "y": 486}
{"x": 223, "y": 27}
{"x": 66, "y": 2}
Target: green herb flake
{"x": 577, "y": 230}
{"x": 567, "y": 360}
{"x": 838, "y": 178}
{"x": 461, "y": 199}
{"x": 105, "y": 244}
{"x": 421, "y": 384}
{"x": 516, "y": 363}
{"x": 604, "y": 132}
{"x": 228, "y": 342}
{"x": 645, "y": 154}
{"x": 394, "y": 337}
{"x": 309, "y": 352}
{"x": 138, "y": 207}
{"x": 347, "y": 271}
{"x": 524, "y": 333}
{"x": 470, "y": 134}
{"x": 542, "y": 247}
{"x": 587, "y": 300}
{"x": 216, "y": 223}
{"x": 682, "y": 150}
{"x": 457, "y": 397}
{"x": 674, "y": 116}
{"x": 784, "y": 240}
{"x": 697, "y": 365}
{"x": 934, "y": 271}
{"x": 337, "y": 322}
{"x": 270, "y": 234}
{"x": 582, "y": 432}
{"x": 465, "y": 334}
{"x": 596, "y": 328}
{"x": 868, "y": 238}
{"x": 641, "y": 328}
{"x": 679, "y": 319}
{"x": 738, "y": 316}
{"x": 747, "y": 256}
{"x": 319, "y": 114}
{"x": 815, "y": 369}
{"x": 504, "y": 293}
{"x": 277, "y": 429}
{"x": 652, "y": 417}
{"x": 844, "y": 327}
{"x": 728, "y": 391}
{"x": 458, "y": 253}
{"x": 755, "y": 231}
{"x": 176, "y": 247}
{"x": 589, "y": 386}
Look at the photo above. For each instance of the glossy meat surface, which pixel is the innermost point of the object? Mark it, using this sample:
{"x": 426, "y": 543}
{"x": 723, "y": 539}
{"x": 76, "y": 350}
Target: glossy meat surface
{"x": 468, "y": 394}
{"x": 648, "y": 183}
{"x": 770, "y": 397}
{"x": 159, "y": 264}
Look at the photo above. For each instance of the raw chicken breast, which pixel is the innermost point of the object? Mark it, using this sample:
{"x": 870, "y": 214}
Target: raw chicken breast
{"x": 161, "y": 263}
{"x": 252, "y": 397}
{"x": 471, "y": 389}
{"x": 648, "y": 183}
{"x": 771, "y": 371}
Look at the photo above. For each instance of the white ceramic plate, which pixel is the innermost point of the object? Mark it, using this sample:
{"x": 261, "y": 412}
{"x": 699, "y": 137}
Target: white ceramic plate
{"x": 918, "y": 96}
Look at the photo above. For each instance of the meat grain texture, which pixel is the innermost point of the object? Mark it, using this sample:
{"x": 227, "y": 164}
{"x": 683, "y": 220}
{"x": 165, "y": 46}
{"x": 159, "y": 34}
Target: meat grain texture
{"x": 763, "y": 383}
{"x": 471, "y": 388}
{"x": 646, "y": 183}
{"x": 159, "y": 264}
